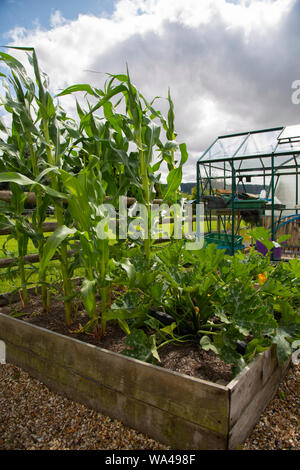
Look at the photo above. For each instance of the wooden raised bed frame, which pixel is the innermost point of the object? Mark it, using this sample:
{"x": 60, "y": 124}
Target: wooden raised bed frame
{"x": 181, "y": 411}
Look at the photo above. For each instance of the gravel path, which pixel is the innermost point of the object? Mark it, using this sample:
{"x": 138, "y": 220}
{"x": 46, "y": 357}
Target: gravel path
{"x": 34, "y": 418}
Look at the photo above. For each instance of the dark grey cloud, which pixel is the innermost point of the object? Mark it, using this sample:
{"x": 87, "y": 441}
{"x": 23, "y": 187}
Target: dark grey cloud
{"x": 247, "y": 79}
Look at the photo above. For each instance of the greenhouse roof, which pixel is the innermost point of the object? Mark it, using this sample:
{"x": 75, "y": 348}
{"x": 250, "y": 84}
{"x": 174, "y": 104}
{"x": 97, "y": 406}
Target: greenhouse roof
{"x": 255, "y": 148}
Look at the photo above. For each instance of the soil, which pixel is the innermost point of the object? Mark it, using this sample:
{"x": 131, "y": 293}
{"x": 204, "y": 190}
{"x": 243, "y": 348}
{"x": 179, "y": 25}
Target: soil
{"x": 186, "y": 358}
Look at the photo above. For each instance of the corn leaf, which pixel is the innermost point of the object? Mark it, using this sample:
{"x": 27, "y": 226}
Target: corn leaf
{"x": 22, "y": 180}
{"x": 88, "y": 295}
{"x": 52, "y": 243}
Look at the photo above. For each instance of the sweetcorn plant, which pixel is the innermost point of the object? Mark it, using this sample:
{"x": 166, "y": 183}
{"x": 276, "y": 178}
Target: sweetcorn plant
{"x": 74, "y": 166}
{"x": 33, "y": 148}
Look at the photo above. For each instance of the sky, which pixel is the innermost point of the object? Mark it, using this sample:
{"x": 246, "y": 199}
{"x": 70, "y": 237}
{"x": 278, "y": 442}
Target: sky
{"x": 230, "y": 64}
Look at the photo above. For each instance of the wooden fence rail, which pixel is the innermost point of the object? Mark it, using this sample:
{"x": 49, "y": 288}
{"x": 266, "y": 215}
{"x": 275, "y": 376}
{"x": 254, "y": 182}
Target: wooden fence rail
{"x": 31, "y": 199}
{"x": 49, "y": 227}
{"x": 28, "y": 259}
{"x": 34, "y": 258}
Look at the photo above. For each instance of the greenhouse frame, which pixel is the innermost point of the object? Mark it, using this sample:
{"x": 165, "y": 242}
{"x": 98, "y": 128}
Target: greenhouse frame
{"x": 229, "y": 164}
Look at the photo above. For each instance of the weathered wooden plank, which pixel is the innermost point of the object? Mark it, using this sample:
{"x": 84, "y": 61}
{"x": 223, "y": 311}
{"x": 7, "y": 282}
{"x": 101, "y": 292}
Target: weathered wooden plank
{"x": 249, "y": 382}
{"x": 197, "y": 401}
{"x": 270, "y": 363}
{"x": 165, "y": 427}
{"x": 7, "y": 195}
{"x": 31, "y": 198}
{"x": 250, "y": 415}
{"x": 47, "y": 227}
{"x": 28, "y": 259}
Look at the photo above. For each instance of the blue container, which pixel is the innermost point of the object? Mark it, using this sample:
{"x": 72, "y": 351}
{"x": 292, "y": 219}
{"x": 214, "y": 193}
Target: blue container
{"x": 223, "y": 241}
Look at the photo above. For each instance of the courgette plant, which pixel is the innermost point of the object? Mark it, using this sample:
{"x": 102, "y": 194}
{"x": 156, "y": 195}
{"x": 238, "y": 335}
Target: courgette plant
{"x": 216, "y": 301}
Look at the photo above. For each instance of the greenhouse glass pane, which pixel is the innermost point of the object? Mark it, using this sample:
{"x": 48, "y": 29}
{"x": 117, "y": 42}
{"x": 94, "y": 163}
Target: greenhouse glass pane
{"x": 290, "y": 133}
{"x": 288, "y": 147}
{"x": 224, "y": 148}
{"x": 282, "y": 160}
{"x": 260, "y": 143}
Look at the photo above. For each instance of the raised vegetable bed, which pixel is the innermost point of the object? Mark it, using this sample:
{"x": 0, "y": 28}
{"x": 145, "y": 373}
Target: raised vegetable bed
{"x": 181, "y": 411}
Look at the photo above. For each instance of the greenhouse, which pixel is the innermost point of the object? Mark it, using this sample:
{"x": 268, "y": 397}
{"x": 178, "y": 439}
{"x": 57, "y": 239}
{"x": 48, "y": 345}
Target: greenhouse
{"x": 251, "y": 178}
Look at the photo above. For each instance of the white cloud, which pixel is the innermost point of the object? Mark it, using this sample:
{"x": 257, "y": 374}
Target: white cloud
{"x": 56, "y": 19}
{"x": 229, "y": 65}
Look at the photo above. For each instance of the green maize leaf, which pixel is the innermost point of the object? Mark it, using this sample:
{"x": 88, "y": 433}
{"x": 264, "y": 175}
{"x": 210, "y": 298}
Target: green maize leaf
{"x": 124, "y": 326}
{"x": 22, "y": 180}
{"x": 184, "y": 153}
{"x": 151, "y": 137}
{"x": 3, "y": 127}
{"x": 13, "y": 177}
{"x": 52, "y": 169}
{"x": 171, "y": 116}
{"x": 5, "y": 222}
{"x": 173, "y": 182}
{"x": 12, "y": 62}
{"x": 33, "y": 60}
{"x": 121, "y": 77}
{"x": 52, "y": 243}
{"x": 88, "y": 293}
{"x": 20, "y": 48}
{"x": 156, "y": 166}
{"x": 80, "y": 87}
{"x": 80, "y": 112}
{"x": 171, "y": 145}
{"x": 112, "y": 117}
{"x": 174, "y": 177}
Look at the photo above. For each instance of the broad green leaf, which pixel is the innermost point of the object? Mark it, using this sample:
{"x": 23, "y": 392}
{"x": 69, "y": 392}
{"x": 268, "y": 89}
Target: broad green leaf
{"x": 208, "y": 345}
{"x": 130, "y": 270}
{"x": 169, "y": 329}
{"x": 283, "y": 238}
{"x": 153, "y": 346}
{"x": 288, "y": 329}
{"x": 283, "y": 348}
{"x": 140, "y": 346}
